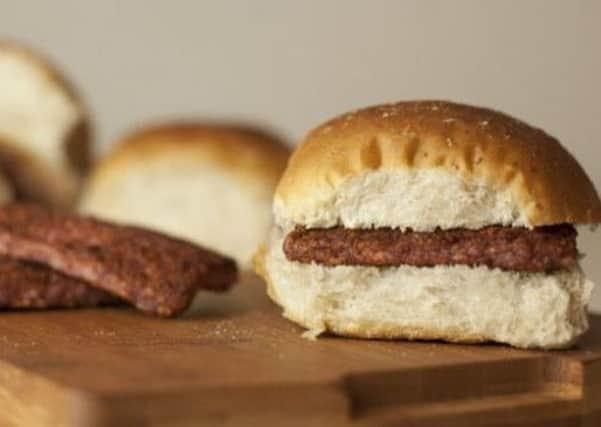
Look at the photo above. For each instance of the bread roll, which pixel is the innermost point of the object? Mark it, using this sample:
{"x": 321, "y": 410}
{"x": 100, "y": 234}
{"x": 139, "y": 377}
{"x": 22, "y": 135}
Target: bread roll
{"x": 44, "y": 128}
{"x": 208, "y": 183}
{"x": 423, "y": 165}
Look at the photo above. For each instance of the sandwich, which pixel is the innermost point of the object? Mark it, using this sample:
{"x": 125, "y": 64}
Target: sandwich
{"x": 432, "y": 220}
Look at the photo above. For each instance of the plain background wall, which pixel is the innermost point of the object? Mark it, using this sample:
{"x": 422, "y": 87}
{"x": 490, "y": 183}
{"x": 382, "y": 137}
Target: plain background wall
{"x": 292, "y": 64}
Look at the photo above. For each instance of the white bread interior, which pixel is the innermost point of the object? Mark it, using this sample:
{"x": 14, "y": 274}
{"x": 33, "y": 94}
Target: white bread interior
{"x": 431, "y": 164}
{"x": 39, "y": 115}
{"x": 424, "y": 199}
{"x": 189, "y": 200}
{"x": 451, "y": 303}
{"x": 208, "y": 184}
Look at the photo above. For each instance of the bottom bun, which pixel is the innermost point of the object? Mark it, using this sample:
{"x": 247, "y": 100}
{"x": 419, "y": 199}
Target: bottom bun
{"x": 451, "y": 303}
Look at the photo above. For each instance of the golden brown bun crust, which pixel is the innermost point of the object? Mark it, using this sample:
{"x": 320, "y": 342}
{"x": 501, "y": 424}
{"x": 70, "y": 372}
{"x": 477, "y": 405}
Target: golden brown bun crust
{"x": 241, "y": 149}
{"x": 476, "y": 143}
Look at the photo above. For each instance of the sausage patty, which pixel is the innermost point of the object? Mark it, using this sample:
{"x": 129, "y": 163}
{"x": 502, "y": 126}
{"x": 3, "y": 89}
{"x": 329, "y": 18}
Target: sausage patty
{"x": 156, "y": 273}
{"x": 542, "y": 249}
{"x": 29, "y": 285}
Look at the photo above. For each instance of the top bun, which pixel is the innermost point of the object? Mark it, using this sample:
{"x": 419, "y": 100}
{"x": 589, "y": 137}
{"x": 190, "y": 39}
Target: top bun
{"x": 44, "y": 128}
{"x": 429, "y": 164}
{"x": 208, "y": 183}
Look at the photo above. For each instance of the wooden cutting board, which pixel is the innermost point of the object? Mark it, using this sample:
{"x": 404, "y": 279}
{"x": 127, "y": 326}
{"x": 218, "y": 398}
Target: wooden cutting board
{"x": 234, "y": 361}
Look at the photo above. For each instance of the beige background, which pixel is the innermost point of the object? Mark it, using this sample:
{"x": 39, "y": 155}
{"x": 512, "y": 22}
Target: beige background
{"x": 291, "y": 64}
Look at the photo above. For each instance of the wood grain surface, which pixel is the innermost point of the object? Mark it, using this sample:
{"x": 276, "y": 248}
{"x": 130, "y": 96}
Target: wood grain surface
{"x": 232, "y": 360}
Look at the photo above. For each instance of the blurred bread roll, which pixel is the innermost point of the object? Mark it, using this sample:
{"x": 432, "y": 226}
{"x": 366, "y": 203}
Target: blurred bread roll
{"x": 208, "y": 183}
{"x": 44, "y": 128}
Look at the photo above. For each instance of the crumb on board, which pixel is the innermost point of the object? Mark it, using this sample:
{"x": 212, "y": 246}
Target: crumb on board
{"x": 312, "y": 334}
